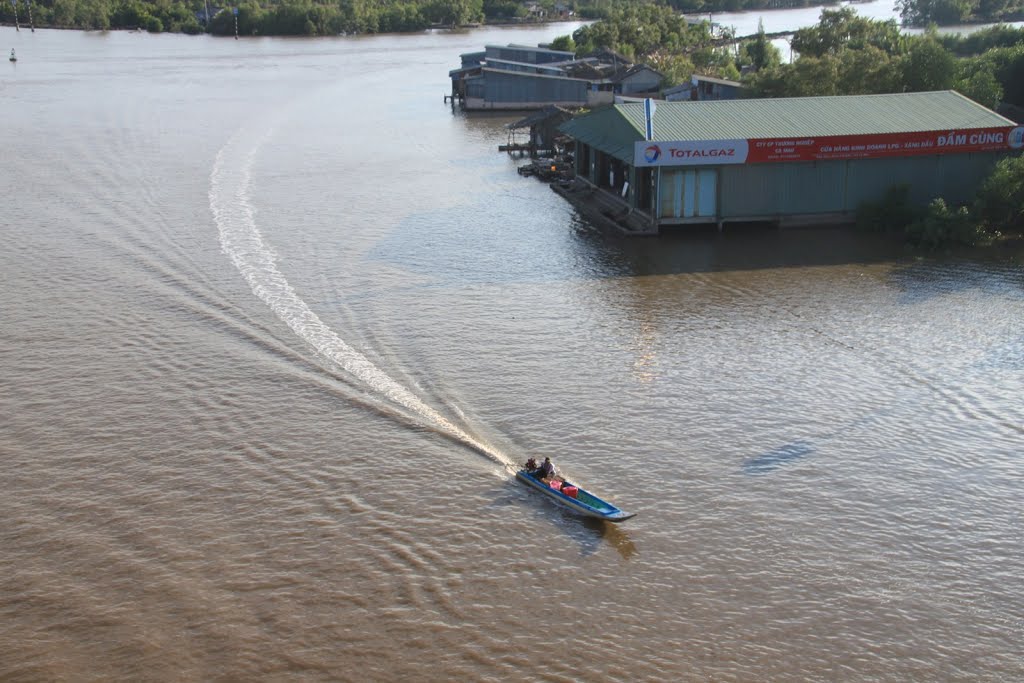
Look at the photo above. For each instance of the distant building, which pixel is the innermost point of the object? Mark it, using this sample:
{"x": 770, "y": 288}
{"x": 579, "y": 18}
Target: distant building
{"x": 704, "y": 88}
{"x": 534, "y": 10}
{"x": 544, "y": 135}
{"x": 637, "y": 80}
{"x": 518, "y": 77}
{"x": 794, "y": 160}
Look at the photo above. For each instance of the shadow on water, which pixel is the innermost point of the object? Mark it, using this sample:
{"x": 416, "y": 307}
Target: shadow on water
{"x": 737, "y": 247}
{"x": 777, "y": 457}
{"x": 612, "y": 534}
{"x": 791, "y": 452}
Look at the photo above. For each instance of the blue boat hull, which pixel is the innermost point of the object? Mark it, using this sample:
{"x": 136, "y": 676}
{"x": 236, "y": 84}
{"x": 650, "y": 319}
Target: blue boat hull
{"x": 585, "y": 503}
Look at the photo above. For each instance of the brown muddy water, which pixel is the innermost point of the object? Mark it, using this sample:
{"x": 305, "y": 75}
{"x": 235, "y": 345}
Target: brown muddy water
{"x": 274, "y": 321}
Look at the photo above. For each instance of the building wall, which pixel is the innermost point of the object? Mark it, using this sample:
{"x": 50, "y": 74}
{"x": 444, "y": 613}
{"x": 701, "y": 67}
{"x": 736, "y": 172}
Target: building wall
{"x": 509, "y": 90}
{"x": 596, "y": 98}
{"x": 709, "y": 90}
{"x": 841, "y": 186}
{"x": 642, "y": 81}
{"x": 795, "y": 189}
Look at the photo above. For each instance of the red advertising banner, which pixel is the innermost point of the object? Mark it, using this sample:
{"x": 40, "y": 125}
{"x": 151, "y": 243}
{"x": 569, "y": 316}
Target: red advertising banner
{"x": 762, "y": 150}
{"x": 875, "y": 146}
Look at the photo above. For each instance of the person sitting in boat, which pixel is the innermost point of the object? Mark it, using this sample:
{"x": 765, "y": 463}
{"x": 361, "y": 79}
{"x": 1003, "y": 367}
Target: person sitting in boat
{"x": 531, "y": 466}
{"x": 546, "y": 470}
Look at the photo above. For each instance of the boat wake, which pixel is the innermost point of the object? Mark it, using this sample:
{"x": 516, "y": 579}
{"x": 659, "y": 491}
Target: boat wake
{"x": 242, "y": 242}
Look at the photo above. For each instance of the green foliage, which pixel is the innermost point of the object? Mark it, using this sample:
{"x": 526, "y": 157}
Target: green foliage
{"x": 268, "y": 17}
{"x": 564, "y": 43}
{"x": 660, "y": 37}
{"x": 998, "y": 207}
{"x": 982, "y": 41}
{"x": 842, "y": 29}
{"x": 640, "y": 30}
{"x": 867, "y": 71}
{"x": 842, "y": 55}
{"x": 675, "y": 68}
{"x": 847, "y": 55}
{"x": 759, "y": 52}
{"x": 942, "y": 12}
{"x": 979, "y": 83}
{"x": 947, "y": 12}
{"x": 999, "y": 204}
{"x": 1007, "y": 65}
{"x": 942, "y": 225}
{"x": 927, "y": 66}
{"x": 503, "y": 9}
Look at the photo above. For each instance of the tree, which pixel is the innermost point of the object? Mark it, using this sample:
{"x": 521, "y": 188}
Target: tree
{"x": 814, "y": 76}
{"x": 927, "y": 66}
{"x": 841, "y": 29}
{"x": 866, "y": 71}
{"x": 563, "y": 43}
{"x": 941, "y": 12}
{"x": 1000, "y": 199}
{"x": 981, "y": 86}
{"x": 759, "y": 52}
{"x": 674, "y": 68}
{"x": 1008, "y": 68}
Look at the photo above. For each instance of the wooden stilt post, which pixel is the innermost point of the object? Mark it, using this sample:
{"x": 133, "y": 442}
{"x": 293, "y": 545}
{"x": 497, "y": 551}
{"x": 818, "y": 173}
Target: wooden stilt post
{"x": 31, "y": 23}
{"x": 14, "y": 4}
{"x": 235, "y": 12}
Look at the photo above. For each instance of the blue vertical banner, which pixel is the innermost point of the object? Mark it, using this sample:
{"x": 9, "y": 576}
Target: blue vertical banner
{"x": 649, "y": 108}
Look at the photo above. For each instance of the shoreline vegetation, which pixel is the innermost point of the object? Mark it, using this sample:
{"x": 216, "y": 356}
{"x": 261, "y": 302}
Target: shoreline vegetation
{"x": 346, "y": 17}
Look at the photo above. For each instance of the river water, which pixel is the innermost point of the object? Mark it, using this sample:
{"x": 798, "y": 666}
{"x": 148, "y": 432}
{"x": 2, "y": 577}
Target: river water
{"x": 275, "y": 320}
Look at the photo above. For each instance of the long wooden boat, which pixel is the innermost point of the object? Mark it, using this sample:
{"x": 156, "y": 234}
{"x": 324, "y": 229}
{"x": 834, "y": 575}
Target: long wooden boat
{"x": 575, "y": 498}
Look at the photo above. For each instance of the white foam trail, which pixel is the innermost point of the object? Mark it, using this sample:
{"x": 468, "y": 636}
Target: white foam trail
{"x": 242, "y": 242}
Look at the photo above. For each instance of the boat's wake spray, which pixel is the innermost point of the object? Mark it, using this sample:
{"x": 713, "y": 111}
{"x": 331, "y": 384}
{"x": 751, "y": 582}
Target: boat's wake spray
{"x": 242, "y": 242}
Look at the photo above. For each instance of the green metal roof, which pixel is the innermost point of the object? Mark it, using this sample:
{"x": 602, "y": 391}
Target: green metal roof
{"x": 615, "y": 129}
{"x": 609, "y": 130}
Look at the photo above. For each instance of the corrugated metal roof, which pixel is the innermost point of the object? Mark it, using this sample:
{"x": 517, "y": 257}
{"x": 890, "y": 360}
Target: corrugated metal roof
{"x": 791, "y": 117}
{"x": 527, "y": 74}
{"x": 608, "y": 130}
{"x": 633, "y": 70}
{"x": 549, "y": 111}
{"x": 712, "y": 79}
